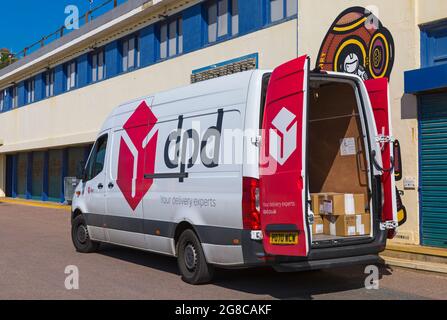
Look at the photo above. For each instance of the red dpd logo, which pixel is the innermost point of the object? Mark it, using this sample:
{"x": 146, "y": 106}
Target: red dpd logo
{"x": 137, "y": 155}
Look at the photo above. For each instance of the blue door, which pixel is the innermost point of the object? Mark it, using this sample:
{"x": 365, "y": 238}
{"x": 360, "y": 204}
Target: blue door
{"x": 433, "y": 169}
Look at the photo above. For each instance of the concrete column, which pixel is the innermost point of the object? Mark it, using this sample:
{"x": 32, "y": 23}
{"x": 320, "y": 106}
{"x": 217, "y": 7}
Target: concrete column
{"x": 2, "y": 175}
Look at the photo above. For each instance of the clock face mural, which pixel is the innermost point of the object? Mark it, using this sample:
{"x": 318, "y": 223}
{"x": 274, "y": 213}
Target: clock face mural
{"x": 358, "y": 43}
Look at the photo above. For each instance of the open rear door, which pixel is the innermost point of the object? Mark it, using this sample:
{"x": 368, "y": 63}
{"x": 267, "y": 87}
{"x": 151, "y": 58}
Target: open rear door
{"x": 283, "y": 161}
{"x": 379, "y": 96}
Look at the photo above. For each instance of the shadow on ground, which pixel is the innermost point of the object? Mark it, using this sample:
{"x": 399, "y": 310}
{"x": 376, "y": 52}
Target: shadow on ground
{"x": 261, "y": 281}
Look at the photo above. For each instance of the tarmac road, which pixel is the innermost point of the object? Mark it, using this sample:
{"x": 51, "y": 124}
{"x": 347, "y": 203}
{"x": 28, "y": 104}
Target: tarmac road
{"x": 35, "y": 249}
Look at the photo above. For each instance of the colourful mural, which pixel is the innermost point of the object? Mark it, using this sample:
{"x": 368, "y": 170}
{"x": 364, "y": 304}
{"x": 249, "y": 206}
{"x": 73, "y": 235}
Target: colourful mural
{"x": 358, "y": 43}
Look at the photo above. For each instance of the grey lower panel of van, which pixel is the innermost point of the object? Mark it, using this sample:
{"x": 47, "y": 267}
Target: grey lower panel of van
{"x": 208, "y": 234}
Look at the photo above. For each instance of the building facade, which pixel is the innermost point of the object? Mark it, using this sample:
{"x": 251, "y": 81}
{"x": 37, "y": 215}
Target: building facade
{"x": 54, "y": 101}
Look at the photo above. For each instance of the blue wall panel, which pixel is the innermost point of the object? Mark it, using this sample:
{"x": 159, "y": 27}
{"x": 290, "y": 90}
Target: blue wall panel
{"x": 39, "y": 87}
{"x": 22, "y": 94}
{"x": 8, "y": 99}
{"x": 251, "y": 15}
{"x": 113, "y": 59}
{"x": 147, "y": 46}
{"x": 193, "y": 26}
{"x": 59, "y": 80}
{"x": 83, "y": 71}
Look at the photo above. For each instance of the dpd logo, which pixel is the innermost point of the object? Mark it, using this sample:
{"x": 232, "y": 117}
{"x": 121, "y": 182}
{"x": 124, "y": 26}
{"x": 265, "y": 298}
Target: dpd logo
{"x": 138, "y": 139}
{"x": 283, "y": 140}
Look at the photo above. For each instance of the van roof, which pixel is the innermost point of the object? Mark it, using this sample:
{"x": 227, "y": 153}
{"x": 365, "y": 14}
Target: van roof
{"x": 236, "y": 84}
{"x": 225, "y": 83}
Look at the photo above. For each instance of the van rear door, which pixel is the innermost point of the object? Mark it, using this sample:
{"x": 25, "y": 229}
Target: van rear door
{"x": 283, "y": 161}
{"x": 379, "y": 97}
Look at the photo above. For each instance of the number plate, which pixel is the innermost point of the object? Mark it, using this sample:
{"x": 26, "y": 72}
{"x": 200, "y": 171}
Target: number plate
{"x": 284, "y": 238}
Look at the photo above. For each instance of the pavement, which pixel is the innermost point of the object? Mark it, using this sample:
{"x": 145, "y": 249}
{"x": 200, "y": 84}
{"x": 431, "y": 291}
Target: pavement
{"x": 36, "y": 248}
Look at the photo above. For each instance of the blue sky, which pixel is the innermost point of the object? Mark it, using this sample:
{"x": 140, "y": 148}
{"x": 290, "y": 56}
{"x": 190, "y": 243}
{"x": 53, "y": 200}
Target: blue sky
{"x": 26, "y": 21}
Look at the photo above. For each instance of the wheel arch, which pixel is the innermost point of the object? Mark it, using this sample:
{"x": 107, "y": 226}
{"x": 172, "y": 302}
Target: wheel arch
{"x": 76, "y": 212}
{"x": 180, "y": 228}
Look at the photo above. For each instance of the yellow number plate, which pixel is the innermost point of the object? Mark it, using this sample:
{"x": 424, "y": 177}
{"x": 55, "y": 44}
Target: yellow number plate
{"x": 284, "y": 238}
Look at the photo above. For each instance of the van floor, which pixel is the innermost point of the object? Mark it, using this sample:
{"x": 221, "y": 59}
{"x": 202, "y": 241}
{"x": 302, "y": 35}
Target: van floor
{"x": 323, "y": 237}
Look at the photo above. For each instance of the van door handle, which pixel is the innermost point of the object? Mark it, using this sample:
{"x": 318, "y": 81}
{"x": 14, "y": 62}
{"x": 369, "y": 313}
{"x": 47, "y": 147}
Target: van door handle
{"x": 100, "y": 186}
{"x": 111, "y": 185}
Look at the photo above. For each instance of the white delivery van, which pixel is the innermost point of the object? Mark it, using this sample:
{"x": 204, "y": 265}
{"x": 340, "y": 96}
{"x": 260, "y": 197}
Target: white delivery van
{"x": 220, "y": 173}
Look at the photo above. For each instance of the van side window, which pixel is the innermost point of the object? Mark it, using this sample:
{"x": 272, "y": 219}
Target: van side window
{"x": 97, "y": 160}
{"x": 265, "y": 84}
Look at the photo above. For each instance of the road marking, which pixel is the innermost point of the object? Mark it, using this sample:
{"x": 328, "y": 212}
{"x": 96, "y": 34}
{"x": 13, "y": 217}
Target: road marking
{"x": 36, "y": 204}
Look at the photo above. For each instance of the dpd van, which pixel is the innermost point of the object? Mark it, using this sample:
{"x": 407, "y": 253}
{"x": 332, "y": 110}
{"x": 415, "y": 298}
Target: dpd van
{"x": 235, "y": 172}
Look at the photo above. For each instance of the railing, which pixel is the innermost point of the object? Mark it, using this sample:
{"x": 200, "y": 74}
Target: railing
{"x": 61, "y": 31}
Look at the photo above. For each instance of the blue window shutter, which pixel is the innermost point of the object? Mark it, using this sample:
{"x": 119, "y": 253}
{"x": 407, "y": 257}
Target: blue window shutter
{"x": 251, "y": 15}
{"x": 39, "y": 87}
{"x": 113, "y": 58}
{"x": 193, "y": 26}
{"x": 14, "y": 176}
{"x": 147, "y": 46}
{"x": 83, "y": 71}
{"x": 29, "y": 176}
{"x": 9, "y": 168}
{"x": 21, "y": 94}
{"x": 59, "y": 80}
{"x": 64, "y": 173}
{"x": 45, "y": 189}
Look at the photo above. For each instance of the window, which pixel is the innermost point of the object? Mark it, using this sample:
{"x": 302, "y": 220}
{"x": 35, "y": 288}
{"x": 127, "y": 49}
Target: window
{"x": 71, "y": 75}
{"x": 30, "y": 90}
{"x": 15, "y": 97}
{"x": 223, "y": 19}
{"x": 171, "y": 38}
{"x": 131, "y": 55}
{"x": 97, "y": 158}
{"x": 2, "y": 100}
{"x": 49, "y": 83}
{"x": 279, "y": 9}
{"x": 97, "y": 64}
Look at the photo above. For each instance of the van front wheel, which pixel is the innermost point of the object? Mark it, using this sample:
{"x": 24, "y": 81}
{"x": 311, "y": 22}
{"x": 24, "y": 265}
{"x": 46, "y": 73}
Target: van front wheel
{"x": 191, "y": 260}
{"x": 80, "y": 237}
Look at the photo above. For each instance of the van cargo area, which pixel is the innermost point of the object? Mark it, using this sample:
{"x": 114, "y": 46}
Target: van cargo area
{"x": 337, "y": 164}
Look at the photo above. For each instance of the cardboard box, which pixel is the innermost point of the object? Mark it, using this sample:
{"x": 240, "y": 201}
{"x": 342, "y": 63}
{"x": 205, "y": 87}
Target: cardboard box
{"x": 347, "y": 225}
{"x": 341, "y": 226}
{"x": 315, "y": 203}
{"x": 363, "y": 224}
{"x": 341, "y": 204}
{"x": 318, "y": 226}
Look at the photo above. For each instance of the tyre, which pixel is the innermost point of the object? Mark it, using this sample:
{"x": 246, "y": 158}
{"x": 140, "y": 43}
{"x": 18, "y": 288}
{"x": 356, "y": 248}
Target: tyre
{"x": 191, "y": 260}
{"x": 80, "y": 237}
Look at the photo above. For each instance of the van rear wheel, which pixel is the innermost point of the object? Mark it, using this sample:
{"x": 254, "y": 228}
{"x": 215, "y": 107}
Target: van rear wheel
{"x": 191, "y": 260}
{"x": 80, "y": 236}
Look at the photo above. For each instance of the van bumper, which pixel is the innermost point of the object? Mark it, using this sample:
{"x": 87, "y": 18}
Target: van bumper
{"x": 326, "y": 264}
{"x": 254, "y": 254}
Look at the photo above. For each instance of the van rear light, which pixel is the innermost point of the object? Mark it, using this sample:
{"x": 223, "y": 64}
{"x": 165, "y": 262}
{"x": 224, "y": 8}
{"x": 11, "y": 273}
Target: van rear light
{"x": 251, "y": 217}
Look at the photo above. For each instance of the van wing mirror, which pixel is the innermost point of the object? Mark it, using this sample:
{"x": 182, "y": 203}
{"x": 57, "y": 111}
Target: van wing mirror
{"x": 397, "y": 161}
{"x": 80, "y": 171}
